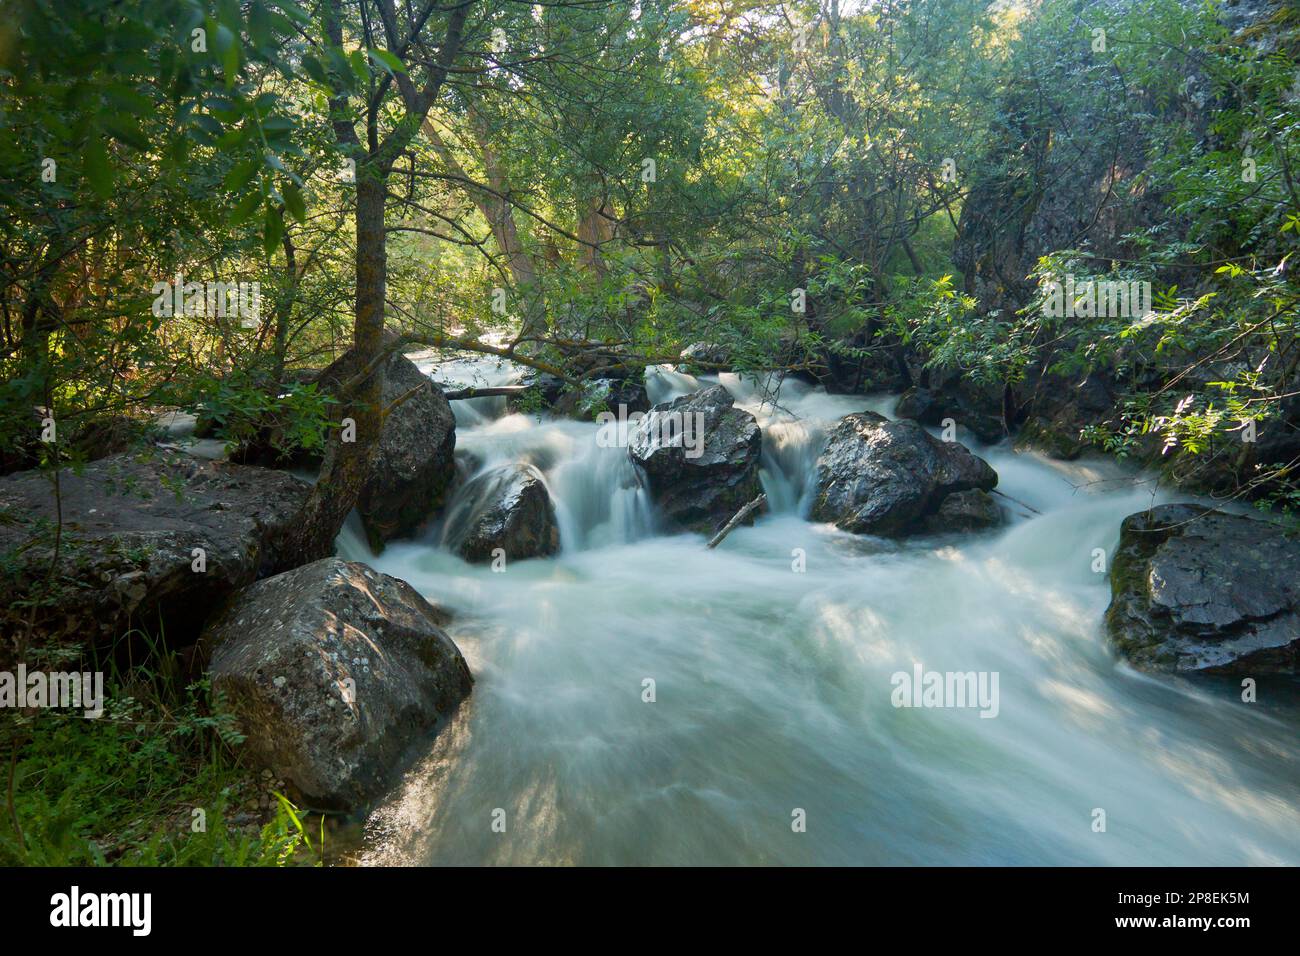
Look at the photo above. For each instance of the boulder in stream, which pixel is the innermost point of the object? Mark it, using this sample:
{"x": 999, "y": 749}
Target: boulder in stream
{"x": 332, "y": 671}
{"x": 891, "y": 478}
{"x": 701, "y": 456}
{"x": 415, "y": 461}
{"x": 508, "y": 508}
{"x": 1200, "y": 590}
{"x": 931, "y": 407}
{"x": 973, "y": 510}
{"x": 149, "y": 543}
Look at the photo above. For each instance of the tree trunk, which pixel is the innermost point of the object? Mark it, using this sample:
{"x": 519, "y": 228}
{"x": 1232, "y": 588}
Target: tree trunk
{"x": 347, "y": 463}
{"x": 500, "y": 215}
{"x": 595, "y": 228}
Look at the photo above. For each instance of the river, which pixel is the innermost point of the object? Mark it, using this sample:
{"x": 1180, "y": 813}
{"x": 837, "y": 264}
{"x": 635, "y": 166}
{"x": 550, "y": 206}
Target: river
{"x": 772, "y": 736}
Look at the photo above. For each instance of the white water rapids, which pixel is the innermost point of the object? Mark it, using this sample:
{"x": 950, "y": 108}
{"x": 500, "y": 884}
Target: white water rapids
{"x": 773, "y": 686}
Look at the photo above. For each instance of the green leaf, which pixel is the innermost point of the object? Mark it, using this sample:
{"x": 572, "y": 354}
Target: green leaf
{"x": 259, "y": 26}
{"x": 126, "y": 130}
{"x": 246, "y": 207}
{"x": 241, "y": 174}
{"x": 96, "y": 167}
{"x": 277, "y": 124}
{"x": 293, "y": 10}
{"x": 294, "y": 203}
{"x": 315, "y": 70}
{"x": 387, "y": 61}
{"x": 357, "y": 60}
{"x": 228, "y": 46}
{"x": 273, "y": 231}
{"x": 123, "y": 97}
{"x": 209, "y": 124}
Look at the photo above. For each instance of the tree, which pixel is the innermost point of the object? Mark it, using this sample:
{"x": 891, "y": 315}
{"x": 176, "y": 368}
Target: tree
{"x": 379, "y": 98}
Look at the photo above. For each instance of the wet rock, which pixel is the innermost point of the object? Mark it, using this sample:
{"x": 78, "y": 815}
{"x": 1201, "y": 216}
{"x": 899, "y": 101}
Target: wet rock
{"x": 127, "y": 555}
{"x": 881, "y": 477}
{"x": 920, "y": 404}
{"x": 1200, "y": 590}
{"x": 332, "y": 671}
{"x": 415, "y": 461}
{"x": 604, "y": 394}
{"x": 507, "y": 508}
{"x": 973, "y": 510}
{"x": 700, "y": 455}
{"x": 1061, "y": 410}
{"x": 934, "y": 407}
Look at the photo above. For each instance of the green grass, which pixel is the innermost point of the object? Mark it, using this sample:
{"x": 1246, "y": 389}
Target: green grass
{"x": 122, "y": 789}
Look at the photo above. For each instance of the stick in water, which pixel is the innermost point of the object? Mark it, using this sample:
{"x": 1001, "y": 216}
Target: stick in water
{"x": 740, "y": 516}
{"x": 490, "y": 391}
{"x": 1017, "y": 501}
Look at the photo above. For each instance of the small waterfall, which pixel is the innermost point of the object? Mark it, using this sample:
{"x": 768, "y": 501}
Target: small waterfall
{"x": 789, "y": 464}
{"x": 598, "y": 493}
{"x": 351, "y": 544}
{"x": 663, "y": 383}
{"x": 600, "y": 496}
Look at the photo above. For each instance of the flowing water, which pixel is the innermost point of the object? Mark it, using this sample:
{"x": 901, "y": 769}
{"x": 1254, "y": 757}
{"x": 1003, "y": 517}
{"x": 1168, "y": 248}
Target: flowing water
{"x": 771, "y": 660}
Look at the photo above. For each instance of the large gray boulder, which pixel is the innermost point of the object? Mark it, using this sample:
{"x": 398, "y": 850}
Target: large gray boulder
{"x": 1200, "y": 590}
{"x": 415, "y": 462}
{"x": 149, "y": 544}
{"x": 699, "y": 492}
{"x": 332, "y": 671}
{"x": 883, "y": 477}
{"x": 507, "y": 508}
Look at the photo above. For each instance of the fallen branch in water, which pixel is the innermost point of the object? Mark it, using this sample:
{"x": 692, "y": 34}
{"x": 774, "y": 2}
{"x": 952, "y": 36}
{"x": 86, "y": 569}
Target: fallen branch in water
{"x": 741, "y": 515}
{"x": 1018, "y": 501}
{"x": 490, "y": 391}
